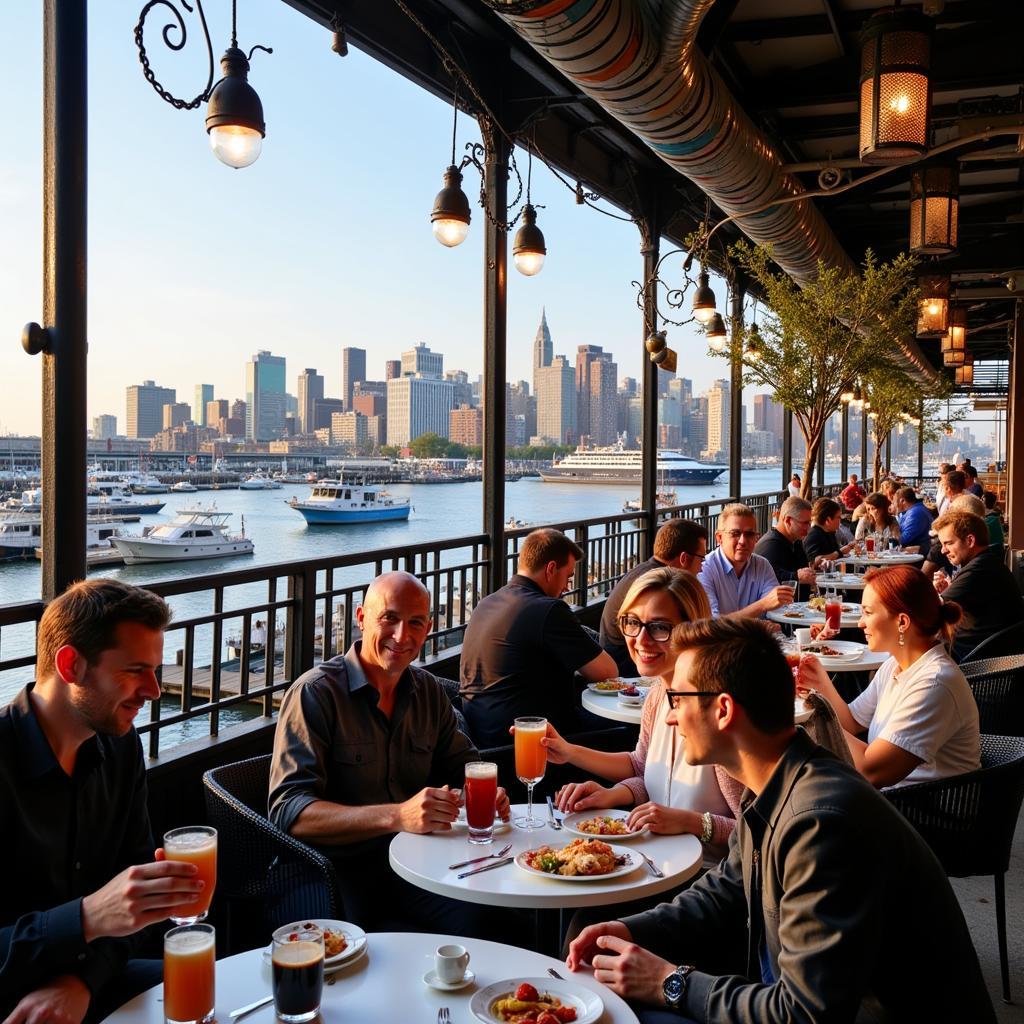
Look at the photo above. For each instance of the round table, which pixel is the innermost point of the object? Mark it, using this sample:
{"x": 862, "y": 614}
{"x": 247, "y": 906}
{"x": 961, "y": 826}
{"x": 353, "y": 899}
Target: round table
{"x": 840, "y": 581}
{"x": 423, "y": 860}
{"x": 609, "y": 707}
{"x": 880, "y": 559}
{"x": 384, "y": 985}
{"x": 809, "y": 618}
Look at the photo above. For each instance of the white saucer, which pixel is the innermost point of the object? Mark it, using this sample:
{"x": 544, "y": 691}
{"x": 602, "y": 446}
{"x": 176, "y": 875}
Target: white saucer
{"x": 431, "y": 979}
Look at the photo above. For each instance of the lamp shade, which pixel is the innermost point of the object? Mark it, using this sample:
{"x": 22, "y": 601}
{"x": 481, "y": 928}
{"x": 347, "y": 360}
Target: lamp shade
{"x": 528, "y": 249}
{"x": 449, "y": 220}
{"x": 234, "y": 114}
{"x": 934, "y": 209}
{"x": 895, "y": 90}
{"x": 933, "y": 306}
{"x": 716, "y": 333}
{"x": 954, "y": 341}
{"x": 703, "y": 299}
{"x": 964, "y": 375}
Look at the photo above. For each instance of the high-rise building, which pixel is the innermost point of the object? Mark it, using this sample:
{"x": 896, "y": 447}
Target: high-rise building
{"x": 353, "y": 368}
{"x": 238, "y": 410}
{"x": 463, "y": 388}
{"x": 310, "y": 388}
{"x": 522, "y": 405}
{"x": 596, "y": 390}
{"x": 204, "y": 395}
{"x": 349, "y": 429}
{"x": 104, "y": 427}
{"x": 323, "y": 411}
{"x": 768, "y": 414}
{"x": 466, "y": 425}
{"x": 542, "y": 347}
{"x": 176, "y": 413}
{"x": 418, "y": 405}
{"x": 419, "y": 360}
{"x": 216, "y": 411}
{"x": 392, "y": 368}
{"x": 145, "y": 408}
{"x": 719, "y": 405}
{"x": 556, "y": 401}
{"x": 265, "y": 397}
{"x": 695, "y": 440}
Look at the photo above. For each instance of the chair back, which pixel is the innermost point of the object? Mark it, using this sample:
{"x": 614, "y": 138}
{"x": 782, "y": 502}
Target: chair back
{"x": 968, "y": 820}
{"x": 1009, "y": 640}
{"x": 998, "y": 688}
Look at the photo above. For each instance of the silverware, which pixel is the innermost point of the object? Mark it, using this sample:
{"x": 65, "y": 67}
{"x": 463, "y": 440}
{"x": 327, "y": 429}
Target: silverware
{"x": 443, "y": 1016}
{"x": 487, "y": 867}
{"x": 554, "y": 822}
{"x": 655, "y": 870}
{"x": 555, "y": 974}
{"x": 243, "y": 1010}
{"x": 480, "y": 860}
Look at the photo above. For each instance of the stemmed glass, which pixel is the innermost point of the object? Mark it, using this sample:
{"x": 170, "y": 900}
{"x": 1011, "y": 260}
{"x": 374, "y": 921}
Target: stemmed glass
{"x": 531, "y": 763}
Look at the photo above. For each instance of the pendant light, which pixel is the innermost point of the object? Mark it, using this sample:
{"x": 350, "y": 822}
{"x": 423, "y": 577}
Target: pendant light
{"x": 753, "y": 349}
{"x": 933, "y": 306}
{"x": 450, "y": 217}
{"x": 528, "y": 250}
{"x": 716, "y": 333}
{"x": 964, "y": 375}
{"x": 934, "y": 209}
{"x": 954, "y": 341}
{"x": 703, "y": 299}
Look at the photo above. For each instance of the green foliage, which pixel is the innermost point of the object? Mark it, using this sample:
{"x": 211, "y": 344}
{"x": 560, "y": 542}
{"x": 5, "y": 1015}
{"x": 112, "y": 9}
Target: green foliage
{"x": 429, "y": 446}
{"x": 539, "y": 452}
{"x": 389, "y": 451}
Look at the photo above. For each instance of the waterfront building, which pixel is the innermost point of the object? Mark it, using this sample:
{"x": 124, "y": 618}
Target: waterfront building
{"x": 420, "y": 361}
{"x": 556, "y": 401}
{"x": 349, "y": 429}
{"x": 353, "y": 368}
{"x": 466, "y": 425}
{"x": 760, "y": 443}
{"x": 463, "y": 394}
{"x": 719, "y": 404}
{"x": 768, "y": 414}
{"x": 104, "y": 426}
{"x": 145, "y": 408}
{"x": 418, "y": 405}
{"x": 310, "y": 388}
{"x": 596, "y": 390}
{"x": 265, "y": 397}
{"x": 176, "y": 413}
{"x": 203, "y": 396}
{"x": 370, "y": 398}
{"x": 522, "y": 412}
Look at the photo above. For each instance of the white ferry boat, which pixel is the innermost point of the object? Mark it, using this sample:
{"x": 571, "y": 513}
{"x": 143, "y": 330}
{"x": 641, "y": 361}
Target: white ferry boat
{"x": 620, "y": 465}
{"x": 21, "y": 536}
{"x": 193, "y": 533}
{"x": 184, "y": 487}
{"x": 336, "y": 501}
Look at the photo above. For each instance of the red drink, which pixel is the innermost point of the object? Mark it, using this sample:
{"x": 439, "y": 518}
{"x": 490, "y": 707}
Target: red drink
{"x": 833, "y": 614}
{"x": 481, "y": 793}
{"x": 869, "y": 544}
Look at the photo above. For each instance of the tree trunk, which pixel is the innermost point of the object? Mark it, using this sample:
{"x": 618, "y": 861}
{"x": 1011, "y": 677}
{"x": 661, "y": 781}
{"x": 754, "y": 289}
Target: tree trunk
{"x": 877, "y": 467}
{"x": 812, "y": 445}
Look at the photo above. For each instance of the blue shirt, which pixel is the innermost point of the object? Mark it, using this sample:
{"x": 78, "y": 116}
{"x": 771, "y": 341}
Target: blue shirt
{"x": 728, "y": 592}
{"x": 915, "y": 525}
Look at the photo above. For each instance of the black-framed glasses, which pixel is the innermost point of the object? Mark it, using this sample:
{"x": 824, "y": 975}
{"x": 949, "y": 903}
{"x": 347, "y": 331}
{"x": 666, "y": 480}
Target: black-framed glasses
{"x": 675, "y": 696}
{"x": 656, "y": 631}
{"x": 694, "y": 554}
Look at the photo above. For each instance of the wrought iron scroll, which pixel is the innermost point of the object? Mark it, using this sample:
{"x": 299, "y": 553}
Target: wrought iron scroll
{"x": 170, "y": 31}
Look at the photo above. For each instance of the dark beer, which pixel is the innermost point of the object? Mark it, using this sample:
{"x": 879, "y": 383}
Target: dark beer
{"x": 298, "y": 969}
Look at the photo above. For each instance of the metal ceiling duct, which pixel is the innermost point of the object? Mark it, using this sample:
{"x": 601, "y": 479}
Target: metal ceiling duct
{"x": 640, "y": 61}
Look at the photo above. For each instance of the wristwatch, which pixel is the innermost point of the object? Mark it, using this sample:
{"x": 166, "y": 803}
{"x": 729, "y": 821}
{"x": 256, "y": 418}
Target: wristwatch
{"x": 673, "y": 988}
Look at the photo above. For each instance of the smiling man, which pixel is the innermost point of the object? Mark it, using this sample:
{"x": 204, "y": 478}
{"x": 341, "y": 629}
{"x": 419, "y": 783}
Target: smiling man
{"x": 77, "y": 852}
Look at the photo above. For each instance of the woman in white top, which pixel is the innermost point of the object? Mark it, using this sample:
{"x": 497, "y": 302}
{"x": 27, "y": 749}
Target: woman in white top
{"x": 919, "y": 713}
{"x": 667, "y": 795}
{"x": 794, "y": 486}
{"x": 878, "y": 520}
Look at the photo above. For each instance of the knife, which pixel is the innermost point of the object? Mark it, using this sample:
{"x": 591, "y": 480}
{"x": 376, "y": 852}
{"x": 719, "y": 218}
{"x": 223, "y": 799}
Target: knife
{"x": 555, "y": 823}
{"x": 487, "y": 867}
{"x": 650, "y": 863}
{"x": 243, "y": 1010}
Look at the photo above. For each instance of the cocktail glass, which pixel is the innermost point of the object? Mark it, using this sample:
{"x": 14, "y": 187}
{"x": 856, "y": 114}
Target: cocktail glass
{"x": 833, "y": 610}
{"x": 531, "y": 763}
{"x": 194, "y": 844}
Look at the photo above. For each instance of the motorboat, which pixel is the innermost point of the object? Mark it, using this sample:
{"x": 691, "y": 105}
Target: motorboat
{"x": 664, "y": 499}
{"x": 337, "y": 501}
{"x": 259, "y": 481}
{"x": 618, "y": 464}
{"x": 21, "y": 536}
{"x": 184, "y": 487}
{"x": 193, "y": 533}
{"x": 104, "y": 499}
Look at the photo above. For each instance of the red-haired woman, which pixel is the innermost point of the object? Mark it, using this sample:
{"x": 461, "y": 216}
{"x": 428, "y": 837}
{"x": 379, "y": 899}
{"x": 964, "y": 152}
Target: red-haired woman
{"x": 919, "y": 713}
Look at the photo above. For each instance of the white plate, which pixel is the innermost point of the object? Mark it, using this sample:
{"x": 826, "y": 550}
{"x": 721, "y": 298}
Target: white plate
{"x": 634, "y": 862}
{"x": 850, "y": 613}
{"x": 433, "y": 981}
{"x": 353, "y": 933}
{"x": 587, "y": 1003}
{"x": 849, "y": 651}
{"x": 460, "y": 825}
{"x": 631, "y": 701}
{"x": 571, "y": 822}
{"x": 605, "y": 693}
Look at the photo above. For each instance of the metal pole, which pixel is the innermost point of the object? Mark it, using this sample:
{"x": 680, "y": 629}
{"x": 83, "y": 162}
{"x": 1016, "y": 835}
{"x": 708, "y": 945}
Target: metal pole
{"x": 844, "y": 454}
{"x": 888, "y": 451}
{"x": 864, "y": 445}
{"x": 650, "y": 247}
{"x": 736, "y": 396}
{"x": 495, "y": 298}
{"x": 64, "y": 293}
{"x": 787, "y": 447}
{"x": 1015, "y": 436}
{"x": 920, "y": 444}
{"x": 821, "y": 462}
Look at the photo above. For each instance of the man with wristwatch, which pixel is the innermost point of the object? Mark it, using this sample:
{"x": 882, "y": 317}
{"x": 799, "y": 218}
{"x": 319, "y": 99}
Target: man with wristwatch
{"x": 828, "y": 907}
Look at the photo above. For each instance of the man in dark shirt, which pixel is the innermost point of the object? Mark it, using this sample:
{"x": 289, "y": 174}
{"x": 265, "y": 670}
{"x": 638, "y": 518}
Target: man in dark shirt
{"x": 783, "y": 544}
{"x": 523, "y": 645}
{"x": 367, "y": 745}
{"x": 984, "y": 587}
{"x": 679, "y": 544}
{"x": 77, "y": 854}
{"x": 821, "y": 540}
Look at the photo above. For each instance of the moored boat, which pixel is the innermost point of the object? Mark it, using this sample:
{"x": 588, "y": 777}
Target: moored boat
{"x": 337, "y": 501}
{"x": 620, "y": 465}
{"x": 193, "y": 533}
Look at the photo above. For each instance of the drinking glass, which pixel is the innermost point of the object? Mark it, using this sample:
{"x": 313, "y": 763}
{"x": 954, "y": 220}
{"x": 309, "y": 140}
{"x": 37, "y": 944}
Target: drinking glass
{"x": 481, "y": 791}
{"x": 833, "y": 610}
{"x": 194, "y": 844}
{"x": 531, "y": 762}
{"x": 297, "y": 963}
{"x": 189, "y": 972}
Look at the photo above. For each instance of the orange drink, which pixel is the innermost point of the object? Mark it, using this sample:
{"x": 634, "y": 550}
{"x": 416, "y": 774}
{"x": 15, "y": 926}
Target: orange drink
{"x": 531, "y": 762}
{"x": 194, "y": 844}
{"x": 189, "y": 970}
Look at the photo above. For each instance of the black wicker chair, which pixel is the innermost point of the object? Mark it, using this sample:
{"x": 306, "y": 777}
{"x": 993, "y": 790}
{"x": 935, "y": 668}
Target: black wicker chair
{"x": 265, "y": 877}
{"x": 969, "y": 821}
{"x": 998, "y": 688}
{"x": 1007, "y": 641}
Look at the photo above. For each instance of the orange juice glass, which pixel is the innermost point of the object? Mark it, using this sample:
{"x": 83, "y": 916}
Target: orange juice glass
{"x": 194, "y": 844}
{"x": 531, "y": 762}
{"x": 189, "y": 971}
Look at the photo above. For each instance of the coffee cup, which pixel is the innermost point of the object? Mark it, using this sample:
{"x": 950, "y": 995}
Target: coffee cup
{"x": 450, "y": 963}
{"x": 803, "y": 637}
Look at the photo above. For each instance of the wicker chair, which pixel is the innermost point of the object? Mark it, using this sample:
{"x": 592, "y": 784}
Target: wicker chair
{"x": 998, "y": 688}
{"x": 265, "y": 877}
{"x": 969, "y": 820}
{"x": 1007, "y": 641}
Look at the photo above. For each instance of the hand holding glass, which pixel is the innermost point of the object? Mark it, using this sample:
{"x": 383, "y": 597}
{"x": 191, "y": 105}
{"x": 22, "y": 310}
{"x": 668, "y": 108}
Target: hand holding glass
{"x": 194, "y": 844}
{"x": 481, "y": 792}
{"x": 531, "y": 762}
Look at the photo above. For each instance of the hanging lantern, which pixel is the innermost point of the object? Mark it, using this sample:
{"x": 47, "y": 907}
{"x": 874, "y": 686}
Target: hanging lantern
{"x": 934, "y": 207}
{"x": 954, "y": 341}
{"x": 895, "y": 91}
{"x": 964, "y": 375}
{"x": 933, "y": 306}
{"x": 703, "y": 299}
{"x": 716, "y": 333}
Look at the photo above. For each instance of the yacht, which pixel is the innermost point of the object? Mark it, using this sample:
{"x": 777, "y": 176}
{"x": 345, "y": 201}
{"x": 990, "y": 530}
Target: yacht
{"x": 620, "y": 465}
{"x": 193, "y": 533}
{"x": 104, "y": 499}
{"x": 663, "y": 499}
{"x": 136, "y": 481}
{"x": 21, "y": 536}
{"x": 184, "y": 487}
{"x": 259, "y": 481}
{"x": 335, "y": 501}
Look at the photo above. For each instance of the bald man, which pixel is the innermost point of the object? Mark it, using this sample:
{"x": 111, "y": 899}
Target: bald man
{"x": 367, "y": 745}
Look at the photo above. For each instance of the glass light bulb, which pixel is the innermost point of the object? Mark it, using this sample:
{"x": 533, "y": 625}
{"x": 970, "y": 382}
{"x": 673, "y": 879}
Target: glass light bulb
{"x": 528, "y": 263}
{"x": 716, "y": 342}
{"x": 236, "y": 146}
{"x": 703, "y": 316}
{"x": 933, "y": 308}
{"x": 450, "y": 232}
{"x": 900, "y": 104}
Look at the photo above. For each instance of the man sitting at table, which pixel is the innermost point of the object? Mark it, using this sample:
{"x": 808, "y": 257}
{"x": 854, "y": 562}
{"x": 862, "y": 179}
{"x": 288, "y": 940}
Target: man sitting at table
{"x": 737, "y": 581}
{"x": 822, "y": 540}
{"x": 914, "y": 519}
{"x": 828, "y": 906}
{"x": 852, "y": 494}
{"x": 523, "y": 646}
{"x": 679, "y": 544}
{"x": 783, "y": 545}
{"x": 80, "y": 881}
{"x": 367, "y": 745}
{"x": 984, "y": 587}
{"x": 956, "y": 484}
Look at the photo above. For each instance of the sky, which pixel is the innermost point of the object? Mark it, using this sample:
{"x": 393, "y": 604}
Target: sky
{"x": 323, "y": 243}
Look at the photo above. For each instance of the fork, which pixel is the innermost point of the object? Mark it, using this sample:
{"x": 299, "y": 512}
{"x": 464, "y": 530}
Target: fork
{"x": 552, "y": 820}
{"x": 655, "y": 870}
{"x": 555, "y": 974}
{"x": 443, "y": 1016}
{"x": 479, "y": 860}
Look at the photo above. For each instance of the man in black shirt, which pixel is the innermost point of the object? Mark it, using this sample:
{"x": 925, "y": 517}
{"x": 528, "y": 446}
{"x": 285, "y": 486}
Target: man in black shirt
{"x": 523, "y": 645}
{"x": 77, "y": 851}
{"x": 783, "y": 544}
{"x": 821, "y": 540}
{"x": 680, "y": 544}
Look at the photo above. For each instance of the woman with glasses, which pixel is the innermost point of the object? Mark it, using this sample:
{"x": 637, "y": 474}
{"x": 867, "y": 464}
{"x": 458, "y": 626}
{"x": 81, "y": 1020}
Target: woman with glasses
{"x": 668, "y": 796}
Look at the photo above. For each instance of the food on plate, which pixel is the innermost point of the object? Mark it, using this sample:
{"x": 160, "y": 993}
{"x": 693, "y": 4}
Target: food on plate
{"x": 580, "y": 857}
{"x": 610, "y": 685}
{"x": 334, "y": 943}
{"x": 604, "y": 825}
{"x": 792, "y": 615}
{"x": 528, "y": 1006}
{"x": 816, "y": 604}
{"x": 825, "y": 651}
{"x": 629, "y": 691}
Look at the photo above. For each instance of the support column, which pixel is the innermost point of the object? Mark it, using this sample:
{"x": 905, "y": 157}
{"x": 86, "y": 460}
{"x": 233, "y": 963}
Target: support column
{"x": 787, "y": 447}
{"x": 650, "y": 248}
{"x": 1015, "y": 436}
{"x": 736, "y": 394}
{"x": 864, "y": 421}
{"x": 920, "y": 444}
{"x": 496, "y": 157}
{"x": 844, "y": 452}
{"x": 64, "y": 293}
{"x": 888, "y": 451}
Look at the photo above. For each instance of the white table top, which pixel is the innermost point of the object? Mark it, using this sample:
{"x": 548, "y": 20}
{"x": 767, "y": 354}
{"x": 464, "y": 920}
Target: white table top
{"x": 610, "y": 707}
{"x": 902, "y": 558}
{"x": 384, "y": 985}
{"x": 809, "y": 617}
{"x": 423, "y": 861}
{"x": 842, "y": 581}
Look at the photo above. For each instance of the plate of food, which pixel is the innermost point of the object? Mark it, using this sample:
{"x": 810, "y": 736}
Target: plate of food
{"x": 343, "y": 942}
{"x": 536, "y": 1001}
{"x": 632, "y": 696}
{"x": 582, "y": 860}
{"x": 835, "y": 652}
{"x": 608, "y": 687}
{"x": 602, "y": 826}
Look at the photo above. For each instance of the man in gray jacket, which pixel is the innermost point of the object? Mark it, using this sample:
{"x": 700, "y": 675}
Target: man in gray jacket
{"x": 828, "y": 907}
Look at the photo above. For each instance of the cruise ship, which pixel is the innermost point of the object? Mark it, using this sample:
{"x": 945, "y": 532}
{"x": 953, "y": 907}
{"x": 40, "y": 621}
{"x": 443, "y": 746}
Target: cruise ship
{"x": 620, "y": 465}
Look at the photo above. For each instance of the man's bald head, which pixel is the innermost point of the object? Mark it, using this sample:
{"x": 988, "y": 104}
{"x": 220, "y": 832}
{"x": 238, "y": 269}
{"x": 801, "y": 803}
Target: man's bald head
{"x": 395, "y": 620}
{"x": 398, "y": 585}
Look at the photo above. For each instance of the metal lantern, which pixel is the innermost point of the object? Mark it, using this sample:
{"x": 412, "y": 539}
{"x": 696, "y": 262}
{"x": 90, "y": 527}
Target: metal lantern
{"x": 934, "y": 207}
{"x": 528, "y": 249}
{"x": 954, "y": 341}
{"x": 449, "y": 220}
{"x": 895, "y": 91}
{"x": 234, "y": 114}
{"x": 703, "y": 299}
{"x": 933, "y": 306}
{"x": 965, "y": 374}
{"x": 717, "y": 333}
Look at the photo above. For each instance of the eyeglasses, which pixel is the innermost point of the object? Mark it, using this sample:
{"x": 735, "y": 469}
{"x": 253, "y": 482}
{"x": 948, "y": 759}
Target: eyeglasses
{"x": 657, "y": 631}
{"x": 675, "y": 697}
{"x": 734, "y": 535}
{"x": 693, "y": 554}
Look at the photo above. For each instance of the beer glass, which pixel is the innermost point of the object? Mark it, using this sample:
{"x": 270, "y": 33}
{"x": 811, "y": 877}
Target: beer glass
{"x": 194, "y": 844}
{"x": 189, "y": 969}
{"x": 481, "y": 792}
{"x": 297, "y": 964}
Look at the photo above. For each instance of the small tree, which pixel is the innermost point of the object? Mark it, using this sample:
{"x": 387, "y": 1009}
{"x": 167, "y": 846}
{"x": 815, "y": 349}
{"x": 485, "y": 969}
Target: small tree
{"x": 816, "y": 340}
{"x": 429, "y": 446}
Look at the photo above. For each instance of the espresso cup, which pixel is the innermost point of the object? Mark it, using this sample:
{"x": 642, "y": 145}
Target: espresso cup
{"x": 450, "y": 963}
{"x": 803, "y": 637}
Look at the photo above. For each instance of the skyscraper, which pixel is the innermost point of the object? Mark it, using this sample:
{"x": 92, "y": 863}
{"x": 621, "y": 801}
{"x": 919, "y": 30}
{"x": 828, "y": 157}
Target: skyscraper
{"x": 420, "y": 360}
{"x": 353, "y": 368}
{"x": 596, "y": 391}
{"x": 265, "y": 397}
{"x": 145, "y": 407}
{"x": 556, "y": 401}
{"x": 104, "y": 427}
{"x": 768, "y": 414}
{"x": 310, "y": 388}
{"x": 542, "y": 348}
{"x": 174, "y": 414}
{"x": 204, "y": 394}
{"x": 418, "y": 405}
{"x": 719, "y": 404}
{"x": 392, "y": 368}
